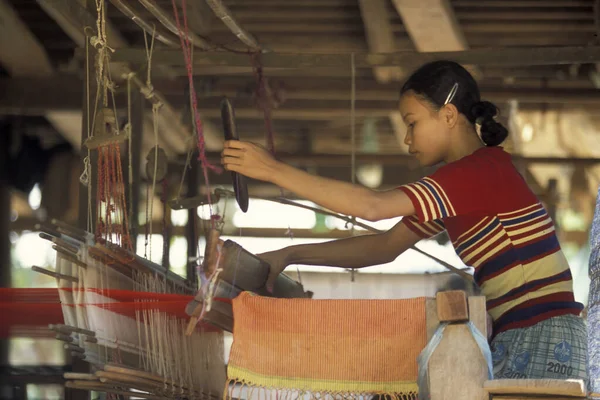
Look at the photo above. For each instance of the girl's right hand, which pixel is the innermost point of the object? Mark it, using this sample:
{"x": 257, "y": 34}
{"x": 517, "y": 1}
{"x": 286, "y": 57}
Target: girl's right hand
{"x": 277, "y": 261}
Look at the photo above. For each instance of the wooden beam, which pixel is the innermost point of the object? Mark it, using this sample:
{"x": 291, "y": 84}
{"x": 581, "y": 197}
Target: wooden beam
{"x": 37, "y": 96}
{"x": 73, "y": 17}
{"x": 23, "y": 55}
{"x": 380, "y": 37}
{"x": 420, "y": 16}
{"x": 518, "y": 56}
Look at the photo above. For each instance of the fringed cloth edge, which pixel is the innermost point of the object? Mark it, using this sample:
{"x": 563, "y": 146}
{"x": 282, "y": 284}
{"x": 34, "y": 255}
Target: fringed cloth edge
{"x": 236, "y": 389}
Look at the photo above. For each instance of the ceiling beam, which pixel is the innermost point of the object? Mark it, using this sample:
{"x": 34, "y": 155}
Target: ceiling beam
{"x": 21, "y": 54}
{"x": 63, "y": 93}
{"x": 512, "y": 56}
{"x": 72, "y": 17}
{"x": 380, "y": 37}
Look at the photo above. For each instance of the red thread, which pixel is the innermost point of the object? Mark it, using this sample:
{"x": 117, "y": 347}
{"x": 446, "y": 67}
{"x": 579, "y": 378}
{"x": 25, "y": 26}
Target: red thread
{"x": 187, "y": 53}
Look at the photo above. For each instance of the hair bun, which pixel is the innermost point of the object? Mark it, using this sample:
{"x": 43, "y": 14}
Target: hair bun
{"x": 492, "y": 132}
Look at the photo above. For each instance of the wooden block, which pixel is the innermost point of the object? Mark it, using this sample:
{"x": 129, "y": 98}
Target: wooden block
{"x": 556, "y": 387}
{"x": 478, "y": 313}
{"x": 457, "y": 369}
{"x": 431, "y": 316}
{"x": 452, "y": 306}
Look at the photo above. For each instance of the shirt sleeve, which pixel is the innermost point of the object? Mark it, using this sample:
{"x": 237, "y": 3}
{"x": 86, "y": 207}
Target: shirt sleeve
{"x": 424, "y": 230}
{"x": 454, "y": 189}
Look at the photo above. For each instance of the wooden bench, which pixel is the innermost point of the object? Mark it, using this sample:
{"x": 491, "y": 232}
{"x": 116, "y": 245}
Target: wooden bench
{"x": 540, "y": 389}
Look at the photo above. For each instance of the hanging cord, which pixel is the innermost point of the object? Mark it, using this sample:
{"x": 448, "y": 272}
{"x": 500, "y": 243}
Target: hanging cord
{"x": 353, "y": 117}
{"x": 186, "y": 47}
{"x": 149, "y": 93}
{"x": 353, "y": 137}
{"x": 129, "y": 132}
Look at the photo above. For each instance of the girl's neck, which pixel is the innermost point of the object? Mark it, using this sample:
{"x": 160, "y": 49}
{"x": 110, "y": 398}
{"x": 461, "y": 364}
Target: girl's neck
{"x": 464, "y": 142}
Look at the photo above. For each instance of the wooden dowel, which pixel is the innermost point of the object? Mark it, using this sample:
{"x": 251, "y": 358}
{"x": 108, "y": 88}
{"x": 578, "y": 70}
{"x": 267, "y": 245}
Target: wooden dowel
{"x": 72, "y": 230}
{"x": 69, "y": 328}
{"x": 74, "y": 348}
{"x": 54, "y": 274}
{"x": 80, "y": 376}
{"x": 69, "y": 256}
{"x": 63, "y": 338}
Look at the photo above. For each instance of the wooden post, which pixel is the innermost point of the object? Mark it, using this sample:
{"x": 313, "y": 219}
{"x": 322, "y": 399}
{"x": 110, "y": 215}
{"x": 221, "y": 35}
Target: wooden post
{"x": 137, "y": 131}
{"x": 457, "y": 369}
{"x": 5, "y": 266}
{"x": 86, "y": 196}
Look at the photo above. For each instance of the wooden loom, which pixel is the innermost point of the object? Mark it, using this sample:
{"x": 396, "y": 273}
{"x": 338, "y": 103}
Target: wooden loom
{"x": 457, "y": 369}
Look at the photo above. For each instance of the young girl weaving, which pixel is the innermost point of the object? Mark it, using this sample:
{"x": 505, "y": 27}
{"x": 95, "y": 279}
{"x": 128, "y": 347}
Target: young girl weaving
{"x": 495, "y": 222}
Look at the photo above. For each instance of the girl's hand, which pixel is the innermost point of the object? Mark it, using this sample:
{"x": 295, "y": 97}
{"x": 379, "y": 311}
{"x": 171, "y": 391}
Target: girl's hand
{"x": 278, "y": 261}
{"x": 249, "y": 159}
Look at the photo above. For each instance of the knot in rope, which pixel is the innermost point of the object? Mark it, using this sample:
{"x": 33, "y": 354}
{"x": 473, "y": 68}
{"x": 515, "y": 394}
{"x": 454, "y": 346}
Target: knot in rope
{"x": 84, "y": 178}
{"x": 110, "y": 85}
{"x": 148, "y": 92}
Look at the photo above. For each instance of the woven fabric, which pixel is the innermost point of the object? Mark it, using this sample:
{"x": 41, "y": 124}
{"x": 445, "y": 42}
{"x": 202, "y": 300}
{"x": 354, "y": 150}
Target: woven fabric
{"x": 345, "y": 347}
{"x": 594, "y": 302}
{"x": 552, "y": 349}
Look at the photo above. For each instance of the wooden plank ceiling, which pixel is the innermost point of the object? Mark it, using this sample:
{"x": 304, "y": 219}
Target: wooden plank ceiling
{"x": 314, "y": 113}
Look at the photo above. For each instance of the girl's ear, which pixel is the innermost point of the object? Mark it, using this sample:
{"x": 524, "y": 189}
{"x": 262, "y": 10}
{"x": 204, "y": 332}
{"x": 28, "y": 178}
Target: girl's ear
{"x": 450, "y": 115}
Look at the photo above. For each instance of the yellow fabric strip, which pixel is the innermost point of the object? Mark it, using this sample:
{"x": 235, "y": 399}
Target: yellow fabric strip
{"x": 320, "y": 385}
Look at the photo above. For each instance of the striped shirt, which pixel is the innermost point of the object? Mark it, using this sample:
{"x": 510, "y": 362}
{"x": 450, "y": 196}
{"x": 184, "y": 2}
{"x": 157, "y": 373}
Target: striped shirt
{"x": 499, "y": 227}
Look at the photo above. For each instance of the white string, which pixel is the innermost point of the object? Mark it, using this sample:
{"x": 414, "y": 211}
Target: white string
{"x": 155, "y": 108}
{"x": 352, "y": 117}
{"x": 353, "y": 135}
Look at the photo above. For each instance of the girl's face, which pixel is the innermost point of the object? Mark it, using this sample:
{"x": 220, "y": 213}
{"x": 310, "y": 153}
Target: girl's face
{"x": 427, "y": 134}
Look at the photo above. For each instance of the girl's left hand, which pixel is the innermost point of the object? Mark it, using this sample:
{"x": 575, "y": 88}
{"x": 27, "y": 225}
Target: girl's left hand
{"x": 248, "y": 159}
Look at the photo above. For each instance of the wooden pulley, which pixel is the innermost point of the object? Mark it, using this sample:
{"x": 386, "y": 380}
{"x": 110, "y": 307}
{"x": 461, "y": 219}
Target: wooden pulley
{"x": 161, "y": 164}
{"x": 240, "y": 185}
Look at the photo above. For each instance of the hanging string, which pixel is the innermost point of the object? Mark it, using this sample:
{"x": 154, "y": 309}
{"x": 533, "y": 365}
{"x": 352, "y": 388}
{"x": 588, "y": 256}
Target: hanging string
{"x": 264, "y": 100}
{"x": 352, "y": 117}
{"x": 129, "y": 132}
{"x": 155, "y": 109}
{"x": 353, "y": 137}
{"x": 186, "y": 47}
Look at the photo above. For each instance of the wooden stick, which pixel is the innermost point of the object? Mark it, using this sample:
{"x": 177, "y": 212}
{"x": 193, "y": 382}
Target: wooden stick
{"x": 62, "y": 243}
{"x": 72, "y": 231}
{"x": 80, "y": 376}
{"x": 54, "y": 274}
{"x": 69, "y": 256}
{"x": 69, "y": 328}
{"x": 63, "y": 338}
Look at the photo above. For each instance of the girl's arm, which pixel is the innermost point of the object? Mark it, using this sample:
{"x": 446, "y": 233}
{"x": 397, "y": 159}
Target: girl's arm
{"x": 345, "y": 198}
{"x": 355, "y": 252}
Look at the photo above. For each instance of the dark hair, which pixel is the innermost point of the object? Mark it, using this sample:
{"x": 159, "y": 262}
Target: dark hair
{"x": 434, "y": 81}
